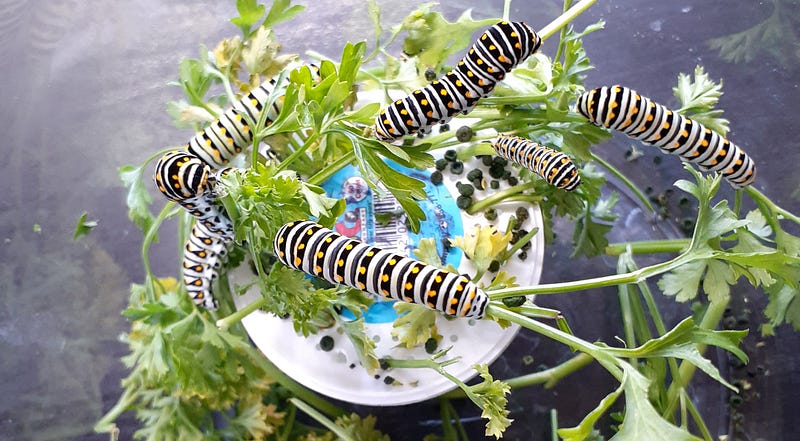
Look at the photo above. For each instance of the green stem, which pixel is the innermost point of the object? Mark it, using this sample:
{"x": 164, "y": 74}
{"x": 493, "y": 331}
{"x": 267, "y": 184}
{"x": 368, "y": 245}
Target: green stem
{"x": 562, "y": 20}
{"x": 548, "y": 377}
{"x": 498, "y": 311}
{"x": 710, "y": 320}
{"x": 553, "y": 425}
{"x": 299, "y": 152}
{"x": 151, "y": 234}
{"x": 624, "y": 294}
{"x": 649, "y": 247}
{"x": 628, "y": 183}
{"x": 106, "y": 424}
{"x": 323, "y": 175}
{"x": 563, "y": 33}
{"x": 596, "y": 282}
{"x": 225, "y": 323}
{"x": 760, "y": 197}
{"x": 480, "y": 148}
{"x": 698, "y": 419}
{"x": 322, "y": 419}
{"x": 498, "y": 197}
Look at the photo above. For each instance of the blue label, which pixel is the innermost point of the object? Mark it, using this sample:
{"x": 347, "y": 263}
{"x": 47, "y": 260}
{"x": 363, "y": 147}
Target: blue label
{"x": 382, "y": 222}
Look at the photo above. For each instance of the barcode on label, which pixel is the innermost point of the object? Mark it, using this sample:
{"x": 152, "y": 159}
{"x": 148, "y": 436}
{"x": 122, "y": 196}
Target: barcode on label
{"x": 390, "y": 225}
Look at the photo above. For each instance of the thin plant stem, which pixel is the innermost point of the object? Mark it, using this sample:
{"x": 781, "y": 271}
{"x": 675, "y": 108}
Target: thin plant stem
{"x": 649, "y": 247}
{"x": 548, "y": 377}
{"x": 562, "y": 20}
{"x": 627, "y": 182}
{"x": 497, "y": 311}
{"x": 780, "y": 212}
{"x": 698, "y": 419}
{"x": 299, "y": 152}
{"x": 225, "y": 323}
{"x": 710, "y": 320}
{"x": 596, "y": 282}
{"x": 499, "y": 197}
{"x": 323, "y": 175}
{"x": 322, "y": 419}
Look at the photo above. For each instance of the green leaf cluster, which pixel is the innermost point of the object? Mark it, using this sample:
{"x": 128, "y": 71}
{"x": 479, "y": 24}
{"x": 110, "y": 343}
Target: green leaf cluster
{"x": 186, "y": 373}
{"x": 698, "y": 98}
{"x": 725, "y": 248}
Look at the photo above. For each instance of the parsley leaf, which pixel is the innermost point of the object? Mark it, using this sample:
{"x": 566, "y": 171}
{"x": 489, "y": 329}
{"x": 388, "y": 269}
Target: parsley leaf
{"x": 84, "y": 226}
{"x": 698, "y": 98}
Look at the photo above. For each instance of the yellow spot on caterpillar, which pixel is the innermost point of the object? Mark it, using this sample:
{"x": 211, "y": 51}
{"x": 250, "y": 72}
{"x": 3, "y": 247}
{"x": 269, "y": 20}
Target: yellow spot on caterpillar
{"x": 362, "y": 270}
{"x": 432, "y": 293}
{"x": 415, "y": 270}
{"x": 408, "y": 285}
{"x": 320, "y": 255}
{"x": 385, "y": 278}
{"x": 438, "y": 279}
{"x": 392, "y": 261}
{"x": 301, "y": 246}
{"x": 297, "y": 261}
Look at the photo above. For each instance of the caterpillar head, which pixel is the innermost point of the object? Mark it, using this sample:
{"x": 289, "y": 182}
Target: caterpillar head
{"x": 181, "y": 175}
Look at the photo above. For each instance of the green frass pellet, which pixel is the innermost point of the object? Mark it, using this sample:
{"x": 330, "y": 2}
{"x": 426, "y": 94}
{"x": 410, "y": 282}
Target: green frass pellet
{"x": 457, "y": 167}
{"x": 463, "y": 202}
{"x": 466, "y": 190}
{"x": 441, "y": 164}
{"x": 431, "y": 345}
{"x": 430, "y": 74}
{"x": 497, "y": 160}
{"x": 384, "y": 364}
{"x": 514, "y": 302}
{"x": 479, "y": 184}
{"x": 464, "y": 133}
{"x": 475, "y": 174}
{"x": 436, "y": 178}
{"x": 486, "y": 160}
{"x": 512, "y": 181}
{"x": 522, "y": 255}
{"x": 522, "y": 213}
{"x": 490, "y": 214}
{"x": 326, "y": 343}
{"x": 497, "y": 171}
{"x": 388, "y": 380}
{"x": 444, "y": 128}
{"x": 494, "y": 184}
{"x": 450, "y": 155}
{"x": 494, "y": 266}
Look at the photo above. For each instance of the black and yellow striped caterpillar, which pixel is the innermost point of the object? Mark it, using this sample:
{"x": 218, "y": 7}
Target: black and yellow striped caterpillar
{"x": 203, "y": 255}
{"x": 621, "y": 108}
{"x": 555, "y": 167}
{"x": 185, "y": 179}
{"x": 226, "y": 137}
{"x": 318, "y": 251}
{"x": 498, "y": 50}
